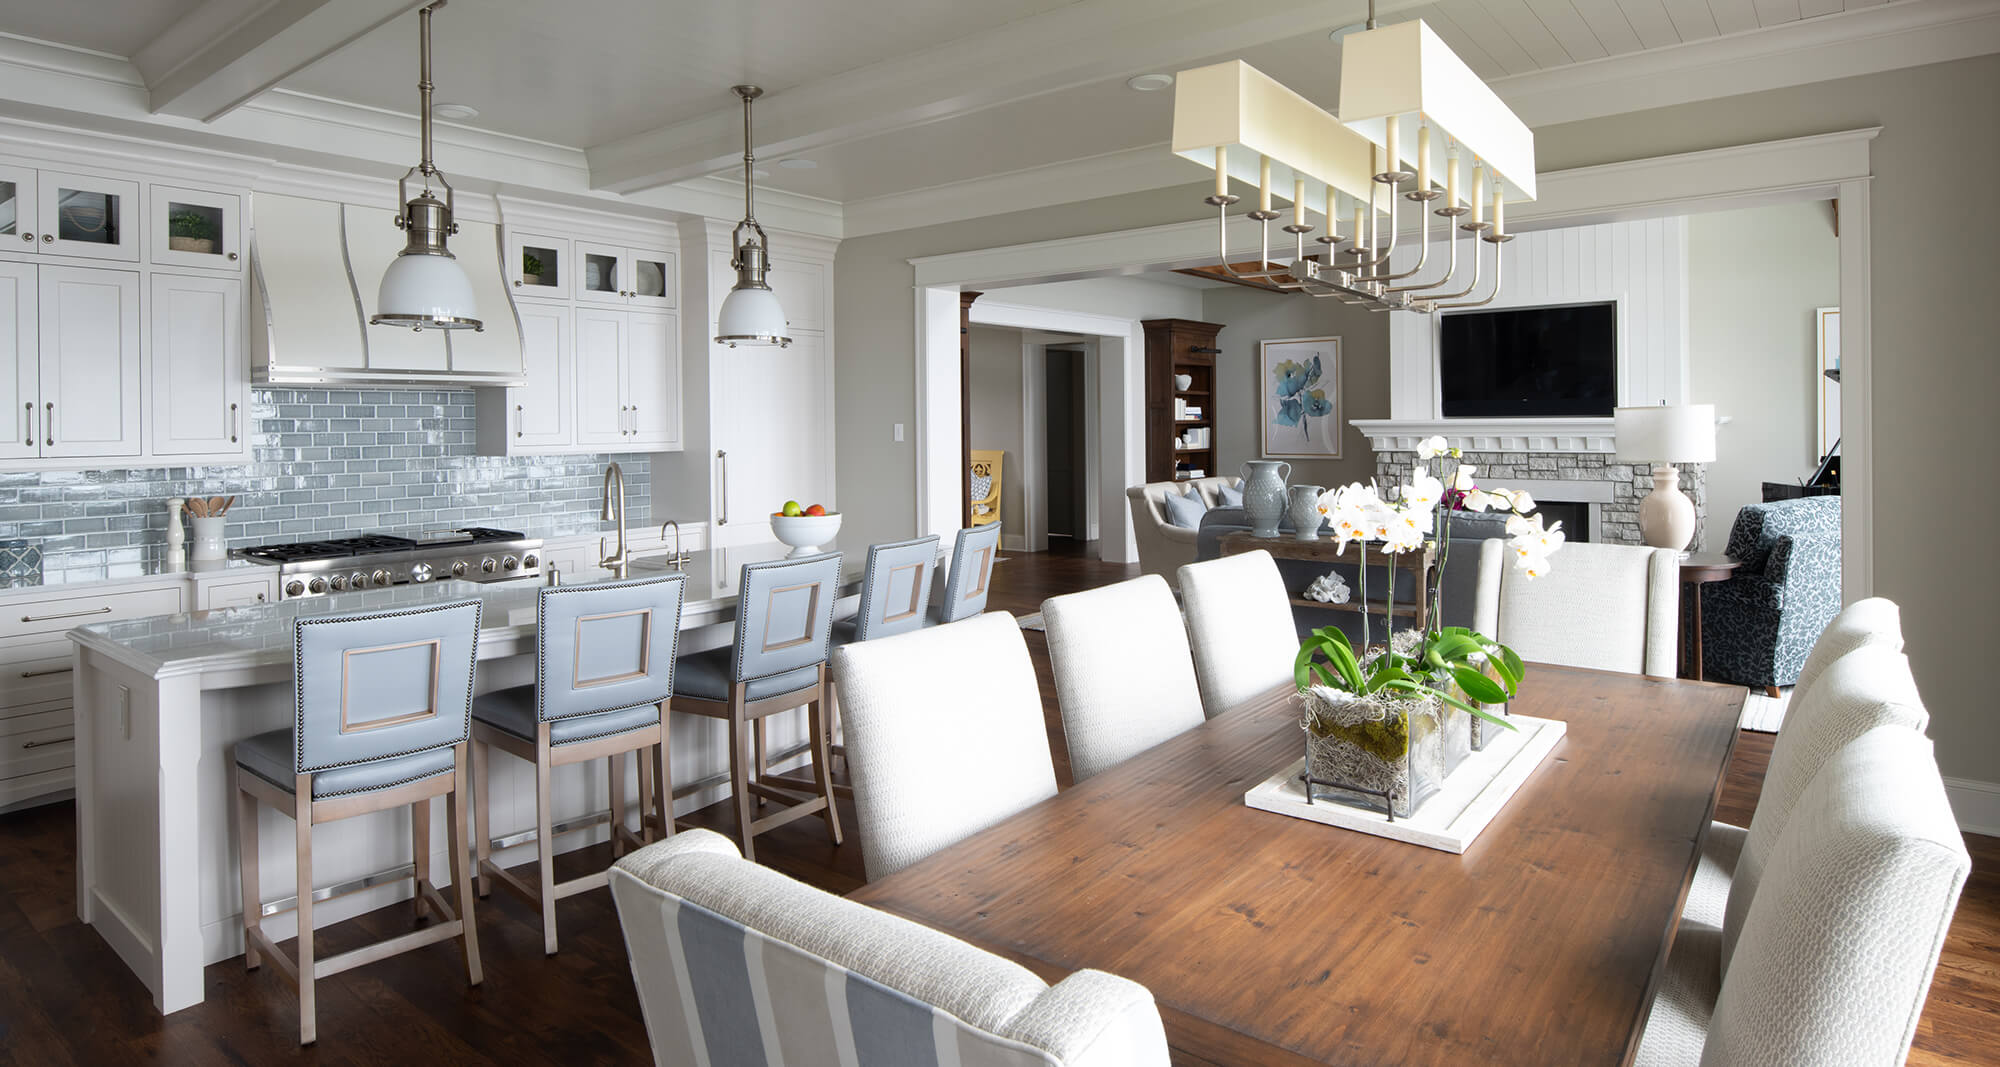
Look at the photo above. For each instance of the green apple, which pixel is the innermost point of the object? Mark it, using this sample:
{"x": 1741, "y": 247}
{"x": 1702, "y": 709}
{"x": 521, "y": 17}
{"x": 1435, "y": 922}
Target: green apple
{"x": 792, "y": 508}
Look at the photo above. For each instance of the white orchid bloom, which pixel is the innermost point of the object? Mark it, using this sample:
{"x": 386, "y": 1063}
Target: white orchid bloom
{"x": 1519, "y": 526}
{"x": 1432, "y": 448}
{"x": 1423, "y": 491}
{"x": 1480, "y": 500}
{"x": 1550, "y": 539}
{"x": 1462, "y": 479}
{"x": 1522, "y": 502}
{"x": 1403, "y": 533}
{"x": 1533, "y": 566}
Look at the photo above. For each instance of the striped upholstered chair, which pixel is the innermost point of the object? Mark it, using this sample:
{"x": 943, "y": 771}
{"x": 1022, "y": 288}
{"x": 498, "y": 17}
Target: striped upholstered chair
{"x": 738, "y": 965}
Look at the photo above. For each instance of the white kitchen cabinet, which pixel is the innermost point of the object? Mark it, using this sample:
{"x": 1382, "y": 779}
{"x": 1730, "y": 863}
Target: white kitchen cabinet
{"x": 616, "y": 276}
{"x": 600, "y": 377}
{"x": 628, "y": 380}
{"x": 89, "y": 216}
{"x": 800, "y": 287}
{"x": 772, "y": 421}
{"x": 236, "y": 592}
{"x": 199, "y": 402}
{"x": 18, "y": 207}
{"x": 538, "y": 267}
{"x": 542, "y": 415}
{"x": 89, "y": 362}
{"x": 20, "y": 361}
{"x": 195, "y": 228}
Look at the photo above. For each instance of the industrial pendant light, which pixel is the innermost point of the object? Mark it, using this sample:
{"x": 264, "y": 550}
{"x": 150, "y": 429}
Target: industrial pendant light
{"x": 750, "y": 313}
{"x": 425, "y": 286}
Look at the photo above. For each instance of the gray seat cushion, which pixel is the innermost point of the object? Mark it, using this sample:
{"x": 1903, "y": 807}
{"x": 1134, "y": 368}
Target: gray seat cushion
{"x": 845, "y": 630}
{"x": 513, "y": 711}
{"x": 269, "y": 756}
{"x": 705, "y": 676}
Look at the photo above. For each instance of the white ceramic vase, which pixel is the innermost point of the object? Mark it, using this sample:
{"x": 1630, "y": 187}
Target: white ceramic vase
{"x": 209, "y": 542}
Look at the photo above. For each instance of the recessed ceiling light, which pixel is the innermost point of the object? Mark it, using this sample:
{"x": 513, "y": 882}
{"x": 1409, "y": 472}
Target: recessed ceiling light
{"x": 795, "y": 163}
{"x": 1346, "y": 31}
{"x": 454, "y": 111}
{"x": 1149, "y": 83}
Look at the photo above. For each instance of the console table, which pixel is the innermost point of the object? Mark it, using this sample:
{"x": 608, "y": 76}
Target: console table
{"x": 1326, "y": 550}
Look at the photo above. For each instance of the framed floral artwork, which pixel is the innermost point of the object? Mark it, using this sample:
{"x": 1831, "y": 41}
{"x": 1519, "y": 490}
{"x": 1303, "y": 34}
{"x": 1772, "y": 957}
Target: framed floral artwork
{"x": 1300, "y": 388}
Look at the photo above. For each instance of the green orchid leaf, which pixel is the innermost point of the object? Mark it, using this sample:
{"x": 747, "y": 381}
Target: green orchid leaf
{"x": 1478, "y": 686}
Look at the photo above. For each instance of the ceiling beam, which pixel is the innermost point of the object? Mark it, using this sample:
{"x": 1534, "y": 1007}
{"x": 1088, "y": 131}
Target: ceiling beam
{"x": 1073, "y": 45}
{"x": 226, "y": 52}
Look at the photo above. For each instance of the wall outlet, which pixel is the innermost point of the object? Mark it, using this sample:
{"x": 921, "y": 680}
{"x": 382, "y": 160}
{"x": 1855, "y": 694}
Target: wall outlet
{"x": 899, "y": 433}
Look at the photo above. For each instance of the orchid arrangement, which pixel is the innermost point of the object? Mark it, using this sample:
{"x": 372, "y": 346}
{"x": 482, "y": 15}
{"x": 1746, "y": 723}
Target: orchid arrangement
{"x": 1418, "y": 512}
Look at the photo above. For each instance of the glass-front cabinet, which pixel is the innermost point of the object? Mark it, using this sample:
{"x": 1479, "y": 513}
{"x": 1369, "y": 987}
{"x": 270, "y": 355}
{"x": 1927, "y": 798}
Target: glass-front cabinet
{"x": 625, "y": 277}
{"x": 538, "y": 267}
{"x": 83, "y": 215}
{"x": 195, "y": 229}
{"x": 19, "y": 224}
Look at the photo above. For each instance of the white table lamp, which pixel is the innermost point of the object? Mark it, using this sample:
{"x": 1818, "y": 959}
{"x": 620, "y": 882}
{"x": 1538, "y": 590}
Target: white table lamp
{"x": 1664, "y": 435}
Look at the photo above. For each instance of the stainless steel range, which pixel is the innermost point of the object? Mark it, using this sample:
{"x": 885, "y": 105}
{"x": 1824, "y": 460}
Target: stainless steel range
{"x": 376, "y": 561}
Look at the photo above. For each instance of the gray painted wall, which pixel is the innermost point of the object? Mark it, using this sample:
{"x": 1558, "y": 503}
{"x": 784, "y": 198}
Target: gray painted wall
{"x": 996, "y": 414}
{"x": 1755, "y": 277}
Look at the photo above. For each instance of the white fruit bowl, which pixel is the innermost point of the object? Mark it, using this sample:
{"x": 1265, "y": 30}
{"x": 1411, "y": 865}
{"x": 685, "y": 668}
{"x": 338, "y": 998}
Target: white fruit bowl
{"x": 805, "y": 533}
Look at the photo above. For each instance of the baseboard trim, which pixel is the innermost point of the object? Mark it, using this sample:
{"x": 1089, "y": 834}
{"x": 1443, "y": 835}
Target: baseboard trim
{"x": 1975, "y": 804}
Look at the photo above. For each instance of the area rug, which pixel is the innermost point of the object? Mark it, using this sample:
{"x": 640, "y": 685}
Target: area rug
{"x": 1765, "y": 714}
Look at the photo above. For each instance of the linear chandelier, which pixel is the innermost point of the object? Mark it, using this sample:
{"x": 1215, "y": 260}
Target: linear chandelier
{"x": 1400, "y": 85}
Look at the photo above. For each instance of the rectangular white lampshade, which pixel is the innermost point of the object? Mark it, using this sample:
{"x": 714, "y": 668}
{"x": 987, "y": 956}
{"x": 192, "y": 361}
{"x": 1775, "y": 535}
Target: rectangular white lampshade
{"x": 1240, "y": 109}
{"x": 1405, "y": 71}
{"x": 1666, "y": 433}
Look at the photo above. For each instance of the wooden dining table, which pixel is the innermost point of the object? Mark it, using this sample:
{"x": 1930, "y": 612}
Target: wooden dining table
{"x": 1267, "y": 939}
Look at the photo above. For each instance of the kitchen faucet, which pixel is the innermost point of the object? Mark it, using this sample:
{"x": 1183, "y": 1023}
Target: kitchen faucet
{"x": 614, "y": 511}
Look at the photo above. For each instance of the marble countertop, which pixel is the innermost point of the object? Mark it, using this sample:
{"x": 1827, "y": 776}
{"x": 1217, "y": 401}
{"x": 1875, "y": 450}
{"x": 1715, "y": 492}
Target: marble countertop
{"x": 260, "y": 635}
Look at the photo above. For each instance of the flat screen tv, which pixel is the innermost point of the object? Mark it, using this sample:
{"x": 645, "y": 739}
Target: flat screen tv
{"x": 1542, "y": 362}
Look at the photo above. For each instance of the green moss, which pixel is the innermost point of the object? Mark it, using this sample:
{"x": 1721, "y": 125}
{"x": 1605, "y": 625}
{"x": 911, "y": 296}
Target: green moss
{"x": 1386, "y": 739}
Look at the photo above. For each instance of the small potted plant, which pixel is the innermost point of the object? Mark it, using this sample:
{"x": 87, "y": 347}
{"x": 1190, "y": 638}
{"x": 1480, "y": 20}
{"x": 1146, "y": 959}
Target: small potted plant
{"x": 191, "y": 231}
{"x": 531, "y": 269}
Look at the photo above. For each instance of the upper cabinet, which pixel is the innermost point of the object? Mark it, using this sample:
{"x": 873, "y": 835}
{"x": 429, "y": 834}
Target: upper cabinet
{"x": 538, "y": 267}
{"x": 625, "y": 277}
{"x": 88, "y": 216}
{"x": 200, "y": 384}
{"x": 193, "y": 228}
{"x": 800, "y": 287}
{"x": 18, "y": 206}
{"x": 86, "y": 396}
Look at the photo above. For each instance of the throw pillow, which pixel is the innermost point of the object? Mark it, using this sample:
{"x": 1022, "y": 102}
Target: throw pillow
{"x": 982, "y": 486}
{"x": 1186, "y": 509}
{"x": 1231, "y": 496}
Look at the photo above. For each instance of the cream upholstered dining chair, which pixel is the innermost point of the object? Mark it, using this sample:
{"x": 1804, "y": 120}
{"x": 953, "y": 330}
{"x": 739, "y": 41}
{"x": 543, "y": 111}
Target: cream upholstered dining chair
{"x": 1239, "y": 621}
{"x": 1124, "y": 677}
{"x": 739, "y": 965}
{"x": 1874, "y": 621}
{"x": 909, "y": 741}
{"x": 1612, "y": 607}
{"x": 1841, "y": 941}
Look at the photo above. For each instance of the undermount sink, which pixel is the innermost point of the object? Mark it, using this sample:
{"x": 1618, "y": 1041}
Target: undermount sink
{"x": 662, "y": 562}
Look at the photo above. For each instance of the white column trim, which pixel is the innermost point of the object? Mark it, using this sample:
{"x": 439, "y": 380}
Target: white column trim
{"x": 1857, "y": 402}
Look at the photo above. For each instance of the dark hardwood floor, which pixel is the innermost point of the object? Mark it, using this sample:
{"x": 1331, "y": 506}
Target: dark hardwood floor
{"x": 66, "y": 998}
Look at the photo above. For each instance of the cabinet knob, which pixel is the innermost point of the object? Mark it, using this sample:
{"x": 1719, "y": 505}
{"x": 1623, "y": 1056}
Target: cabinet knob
{"x": 48, "y": 238}
{"x": 28, "y": 237}
{"x": 517, "y": 283}
{"x": 232, "y": 257}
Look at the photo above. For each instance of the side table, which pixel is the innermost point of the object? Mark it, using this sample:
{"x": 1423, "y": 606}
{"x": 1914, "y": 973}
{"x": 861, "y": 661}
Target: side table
{"x": 1698, "y": 570}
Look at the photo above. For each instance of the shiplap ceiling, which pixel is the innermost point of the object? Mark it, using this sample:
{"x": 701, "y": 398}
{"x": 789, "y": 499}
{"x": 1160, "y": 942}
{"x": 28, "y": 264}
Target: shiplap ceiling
{"x": 885, "y": 97}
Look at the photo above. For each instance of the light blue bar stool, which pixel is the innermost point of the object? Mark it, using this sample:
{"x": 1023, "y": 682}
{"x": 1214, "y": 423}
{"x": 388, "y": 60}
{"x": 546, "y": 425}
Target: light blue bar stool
{"x": 784, "y": 629}
{"x": 381, "y": 703}
{"x": 971, "y": 577}
{"x": 604, "y": 671}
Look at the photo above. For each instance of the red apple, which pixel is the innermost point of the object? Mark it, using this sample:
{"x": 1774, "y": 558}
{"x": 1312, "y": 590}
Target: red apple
{"x": 816, "y": 509}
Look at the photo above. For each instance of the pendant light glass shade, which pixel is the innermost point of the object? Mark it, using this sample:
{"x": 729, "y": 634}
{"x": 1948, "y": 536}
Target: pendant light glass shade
{"x": 425, "y": 286}
{"x": 750, "y": 314}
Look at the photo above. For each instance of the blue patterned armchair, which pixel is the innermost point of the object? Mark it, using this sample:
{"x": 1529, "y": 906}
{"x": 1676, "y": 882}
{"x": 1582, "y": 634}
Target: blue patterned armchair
{"x": 1758, "y": 626}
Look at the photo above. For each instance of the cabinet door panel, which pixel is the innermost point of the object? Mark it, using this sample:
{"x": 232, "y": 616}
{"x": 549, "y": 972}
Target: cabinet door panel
{"x": 18, "y": 207}
{"x": 653, "y": 381}
{"x": 654, "y": 278}
{"x": 600, "y": 385}
{"x": 89, "y": 216}
{"x": 603, "y": 274}
{"x": 20, "y": 366}
{"x": 198, "y": 403}
{"x": 801, "y": 290}
{"x": 195, "y": 229}
{"x": 89, "y": 362}
{"x": 770, "y": 416}
{"x": 538, "y": 267}
{"x": 542, "y": 414}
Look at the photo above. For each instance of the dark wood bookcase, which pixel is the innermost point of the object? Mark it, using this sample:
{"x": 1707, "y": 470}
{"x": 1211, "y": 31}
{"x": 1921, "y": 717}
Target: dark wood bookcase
{"x": 1179, "y": 346}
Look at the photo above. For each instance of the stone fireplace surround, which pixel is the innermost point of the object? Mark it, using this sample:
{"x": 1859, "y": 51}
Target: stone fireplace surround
{"x": 1611, "y": 490}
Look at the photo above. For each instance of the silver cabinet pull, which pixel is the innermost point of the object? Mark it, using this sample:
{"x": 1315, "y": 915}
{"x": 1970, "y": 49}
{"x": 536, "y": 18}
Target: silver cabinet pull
{"x": 635, "y": 420}
{"x": 46, "y": 671}
{"x": 66, "y": 615}
{"x": 28, "y": 237}
{"x": 51, "y": 741}
{"x": 232, "y": 257}
{"x": 31, "y": 424}
{"x": 48, "y": 238}
{"x": 52, "y": 423}
{"x": 722, "y": 460}
{"x": 519, "y": 421}
{"x": 235, "y": 424}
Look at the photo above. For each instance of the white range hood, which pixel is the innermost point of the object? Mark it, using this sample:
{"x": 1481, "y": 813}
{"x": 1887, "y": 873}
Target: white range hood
{"x": 315, "y": 266}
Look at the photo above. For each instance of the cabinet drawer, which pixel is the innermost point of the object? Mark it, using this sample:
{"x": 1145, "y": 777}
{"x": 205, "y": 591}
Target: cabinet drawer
{"x": 60, "y": 614}
{"x": 24, "y": 790}
{"x": 35, "y": 744}
{"x": 235, "y": 594}
{"x": 31, "y": 681}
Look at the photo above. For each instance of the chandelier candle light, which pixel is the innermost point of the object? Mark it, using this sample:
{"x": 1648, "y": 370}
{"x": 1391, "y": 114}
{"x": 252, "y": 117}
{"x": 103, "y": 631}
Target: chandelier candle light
{"x": 751, "y": 314}
{"x": 1404, "y": 99}
{"x": 425, "y": 286}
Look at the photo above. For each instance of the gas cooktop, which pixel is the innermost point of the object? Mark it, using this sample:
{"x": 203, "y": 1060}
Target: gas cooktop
{"x": 343, "y": 564}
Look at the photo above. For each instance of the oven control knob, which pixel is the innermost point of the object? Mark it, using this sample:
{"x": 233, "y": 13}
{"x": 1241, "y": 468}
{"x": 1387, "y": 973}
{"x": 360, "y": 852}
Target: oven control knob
{"x": 357, "y": 580}
{"x": 420, "y": 572}
{"x": 528, "y": 562}
{"x": 489, "y": 565}
{"x": 337, "y": 582}
{"x": 381, "y": 577}
{"x": 295, "y": 588}
{"x": 317, "y": 585}
{"x": 458, "y": 568}
{"x": 509, "y": 563}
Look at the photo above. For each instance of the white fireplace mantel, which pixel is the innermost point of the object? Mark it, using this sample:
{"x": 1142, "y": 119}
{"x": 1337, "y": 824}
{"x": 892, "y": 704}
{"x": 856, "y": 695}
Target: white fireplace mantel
{"x": 1492, "y": 435}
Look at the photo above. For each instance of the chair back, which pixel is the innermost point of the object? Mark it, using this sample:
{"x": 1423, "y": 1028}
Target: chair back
{"x": 1874, "y": 621}
{"x": 920, "y": 708}
{"x": 1838, "y": 950}
{"x": 1124, "y": 677}
{"x": 784, "y": 615}
{"x": 986, "y": 467}
{"x": 1864, "y": 690}
{"x": 1239, "y": 621}
{"x": 971, "y": 578}
{"x": 371, "y": 685}
{"x": 738, "y": 964}
{"x": 1612, "y": 607}
{"x": 896, "y": 588}
{"x": 607, "y": 646}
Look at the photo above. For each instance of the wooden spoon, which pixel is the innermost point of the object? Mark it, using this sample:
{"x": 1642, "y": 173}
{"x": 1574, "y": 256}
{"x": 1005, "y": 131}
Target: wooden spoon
{"x": 197, "y": 507}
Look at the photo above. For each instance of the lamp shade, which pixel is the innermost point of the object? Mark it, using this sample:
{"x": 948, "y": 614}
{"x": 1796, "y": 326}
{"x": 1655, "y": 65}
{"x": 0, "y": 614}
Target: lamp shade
{"x": 1247, "y": 114}
{"x": 1666, "y": 433}
{"x": 426, "y": 290}
{"x": 1400, "y": 72}
{"x": 751, "y": 316}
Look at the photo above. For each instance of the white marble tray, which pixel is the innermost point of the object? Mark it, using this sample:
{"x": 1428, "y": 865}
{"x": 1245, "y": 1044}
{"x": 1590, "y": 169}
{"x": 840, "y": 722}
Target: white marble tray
{"x": 1449, "y": 820}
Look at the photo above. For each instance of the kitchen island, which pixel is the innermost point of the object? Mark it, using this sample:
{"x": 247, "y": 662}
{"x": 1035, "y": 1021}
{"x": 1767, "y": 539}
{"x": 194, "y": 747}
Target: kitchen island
{"x": 160, "y": 701}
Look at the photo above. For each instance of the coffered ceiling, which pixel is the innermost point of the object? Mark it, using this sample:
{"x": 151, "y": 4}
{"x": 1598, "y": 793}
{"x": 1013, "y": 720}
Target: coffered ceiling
{"x": 887, "y": 98}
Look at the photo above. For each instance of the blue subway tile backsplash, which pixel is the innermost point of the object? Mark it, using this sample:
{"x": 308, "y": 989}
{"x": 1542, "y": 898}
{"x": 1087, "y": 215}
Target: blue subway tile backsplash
{"x": 324, "y": 463}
